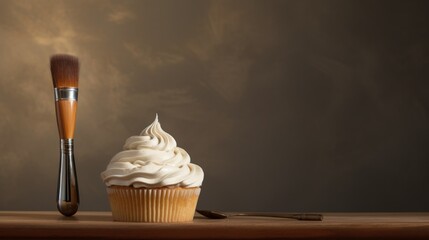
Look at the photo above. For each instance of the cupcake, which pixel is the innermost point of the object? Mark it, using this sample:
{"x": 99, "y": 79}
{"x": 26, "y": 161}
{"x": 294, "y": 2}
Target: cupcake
{"x": 152, "y": 180}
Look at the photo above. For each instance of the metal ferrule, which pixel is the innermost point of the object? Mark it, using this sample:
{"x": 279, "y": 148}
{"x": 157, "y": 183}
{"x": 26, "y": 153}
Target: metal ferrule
{"x": 68, "y": 193}
{"x": 65, "y": 94}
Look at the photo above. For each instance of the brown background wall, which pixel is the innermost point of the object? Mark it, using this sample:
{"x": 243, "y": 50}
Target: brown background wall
{"x": 287, "y": 105}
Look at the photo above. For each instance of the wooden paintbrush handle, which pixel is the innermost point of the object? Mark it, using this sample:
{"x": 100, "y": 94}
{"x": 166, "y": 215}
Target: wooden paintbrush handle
{"x": 66, "y": 118}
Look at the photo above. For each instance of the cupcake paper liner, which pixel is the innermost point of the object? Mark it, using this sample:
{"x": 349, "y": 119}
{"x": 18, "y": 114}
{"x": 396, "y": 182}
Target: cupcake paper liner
{"x": 130, "y": 204}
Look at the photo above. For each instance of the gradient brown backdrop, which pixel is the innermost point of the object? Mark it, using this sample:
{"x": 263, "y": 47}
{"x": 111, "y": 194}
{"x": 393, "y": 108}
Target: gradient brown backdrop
{"x": 287, "y": 105}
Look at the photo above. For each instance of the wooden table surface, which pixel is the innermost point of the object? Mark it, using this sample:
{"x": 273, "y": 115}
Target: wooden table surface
{"x": 99, "y": 225}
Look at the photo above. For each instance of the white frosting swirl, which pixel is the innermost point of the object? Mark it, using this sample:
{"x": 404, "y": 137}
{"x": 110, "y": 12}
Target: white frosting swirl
{"x": 152, "y": 160}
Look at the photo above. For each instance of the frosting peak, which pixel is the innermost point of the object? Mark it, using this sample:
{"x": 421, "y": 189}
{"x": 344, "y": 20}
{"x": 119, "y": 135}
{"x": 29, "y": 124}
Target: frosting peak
{"x": 152, "y": 137}
{"x": 152, "y": 159}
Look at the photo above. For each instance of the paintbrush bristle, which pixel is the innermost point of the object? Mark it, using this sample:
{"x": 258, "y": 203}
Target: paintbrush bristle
{"x": 65, "y": 70}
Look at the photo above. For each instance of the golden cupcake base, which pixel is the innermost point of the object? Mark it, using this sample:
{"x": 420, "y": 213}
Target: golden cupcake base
{"x": 156, "y": 205}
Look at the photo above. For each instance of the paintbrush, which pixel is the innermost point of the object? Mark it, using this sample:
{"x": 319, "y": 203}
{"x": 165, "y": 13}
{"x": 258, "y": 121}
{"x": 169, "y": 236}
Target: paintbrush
{"x": 65, "y": 75}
